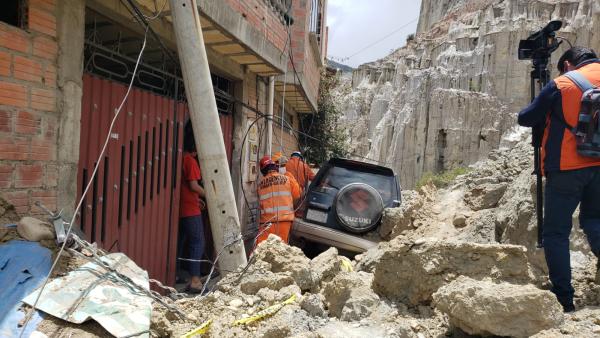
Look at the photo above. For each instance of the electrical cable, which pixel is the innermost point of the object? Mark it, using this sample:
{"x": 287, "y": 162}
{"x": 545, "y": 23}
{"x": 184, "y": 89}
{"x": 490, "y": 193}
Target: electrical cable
{"x": 375, "y": 42}
{"x": 91, "y": 180}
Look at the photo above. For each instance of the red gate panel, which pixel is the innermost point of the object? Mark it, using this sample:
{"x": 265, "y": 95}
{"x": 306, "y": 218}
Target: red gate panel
{"x": 133, "y": 203}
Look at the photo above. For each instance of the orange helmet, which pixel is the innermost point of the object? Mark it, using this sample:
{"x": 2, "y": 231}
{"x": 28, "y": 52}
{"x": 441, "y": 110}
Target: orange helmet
{"x": 265, "y": 162}
{"x": 277, "y": 156}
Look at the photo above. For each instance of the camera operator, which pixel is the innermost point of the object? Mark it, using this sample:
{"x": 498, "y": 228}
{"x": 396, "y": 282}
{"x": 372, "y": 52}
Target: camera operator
{"x": 571, "y": 179}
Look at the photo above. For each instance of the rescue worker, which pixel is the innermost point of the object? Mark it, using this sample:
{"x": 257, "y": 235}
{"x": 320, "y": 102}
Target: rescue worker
{"x": 281, "y": 161}
{"x": 571, "y": 179}
{"x": 276, "y": 194}
{"x": 300, "y": 170}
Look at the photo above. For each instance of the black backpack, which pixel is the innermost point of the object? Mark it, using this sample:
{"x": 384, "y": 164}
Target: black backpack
{"x": 587, "y": 132}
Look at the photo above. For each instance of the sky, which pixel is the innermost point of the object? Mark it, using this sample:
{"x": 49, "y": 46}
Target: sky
{"x": 356, "y": 24}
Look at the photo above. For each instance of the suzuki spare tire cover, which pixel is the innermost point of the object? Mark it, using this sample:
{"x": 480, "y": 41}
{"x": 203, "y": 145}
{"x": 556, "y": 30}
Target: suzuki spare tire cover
{"x": 358, "y": 207}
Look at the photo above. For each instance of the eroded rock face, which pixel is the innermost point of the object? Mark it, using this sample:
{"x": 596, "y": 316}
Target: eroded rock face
{"x": 412, "y": 272}
{"x": 486, "y": 308}
{"x": 447, "y": 97}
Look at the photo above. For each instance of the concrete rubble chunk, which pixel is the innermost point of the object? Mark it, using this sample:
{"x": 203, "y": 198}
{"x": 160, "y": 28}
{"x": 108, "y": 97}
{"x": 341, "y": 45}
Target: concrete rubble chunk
{"x": 34, "y": 230}
{"x": 285, "y": 258}
{"x": 349, "y": 296}
{"x": 412, "y": 272}
{"x": 486, "y": 308}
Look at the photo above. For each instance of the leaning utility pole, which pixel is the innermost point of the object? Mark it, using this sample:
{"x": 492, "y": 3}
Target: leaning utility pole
{"x": 270, "y": 99}
{"x": 224, "y": 220}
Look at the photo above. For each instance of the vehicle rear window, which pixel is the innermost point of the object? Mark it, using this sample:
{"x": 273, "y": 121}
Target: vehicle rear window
{"x": 337, "y": 178}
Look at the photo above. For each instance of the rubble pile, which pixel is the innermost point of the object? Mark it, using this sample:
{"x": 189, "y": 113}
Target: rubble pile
{"x": 460, "y": 260}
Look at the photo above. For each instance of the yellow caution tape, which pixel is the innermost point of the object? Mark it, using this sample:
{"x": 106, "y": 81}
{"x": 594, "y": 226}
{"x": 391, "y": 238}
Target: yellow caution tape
{"x": 346, "y": 265}
{"x": 202, "y": 329}
{"x": 271, "y": 310}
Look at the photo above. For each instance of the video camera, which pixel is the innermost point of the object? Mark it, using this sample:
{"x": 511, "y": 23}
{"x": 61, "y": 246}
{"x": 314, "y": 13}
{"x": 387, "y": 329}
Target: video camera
{"x": 540, "y": 44}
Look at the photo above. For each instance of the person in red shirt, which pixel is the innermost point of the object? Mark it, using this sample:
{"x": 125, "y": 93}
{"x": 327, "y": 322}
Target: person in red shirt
{"x": 191, "y": 226}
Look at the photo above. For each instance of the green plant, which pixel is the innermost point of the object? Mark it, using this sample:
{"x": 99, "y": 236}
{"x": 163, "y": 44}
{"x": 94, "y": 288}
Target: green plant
{"x": 442, "y": 179}
{"x": 324, "y": 138}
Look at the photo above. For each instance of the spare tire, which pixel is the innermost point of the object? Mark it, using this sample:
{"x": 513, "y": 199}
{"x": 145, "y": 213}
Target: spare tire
{"x": 358, "y": 207}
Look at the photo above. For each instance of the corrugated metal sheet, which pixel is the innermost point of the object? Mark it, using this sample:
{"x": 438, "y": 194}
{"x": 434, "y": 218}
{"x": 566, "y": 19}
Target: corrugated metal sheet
{"x": 133, "y": 203}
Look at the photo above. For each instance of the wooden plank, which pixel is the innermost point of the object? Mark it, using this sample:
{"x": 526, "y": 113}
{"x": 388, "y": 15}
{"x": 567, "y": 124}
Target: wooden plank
{"x": 214, "y": 36}
{"x": 232, "y": 48}
{"x": 247, "y": 59}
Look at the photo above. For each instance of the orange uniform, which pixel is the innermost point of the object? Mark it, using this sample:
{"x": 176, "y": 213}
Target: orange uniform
{"x": 300, "y": 170}
{"x": 276, "y": 193}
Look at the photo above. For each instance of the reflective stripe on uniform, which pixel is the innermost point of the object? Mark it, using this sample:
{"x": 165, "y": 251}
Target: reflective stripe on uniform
{"x": 277, "y": 209}
{"x": 274, "y": 193}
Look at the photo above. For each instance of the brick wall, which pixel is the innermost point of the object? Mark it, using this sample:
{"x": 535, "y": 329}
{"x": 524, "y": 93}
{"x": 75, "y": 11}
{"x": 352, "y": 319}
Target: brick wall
{"x": 28, "y": 112}
{"x": 260, "y": 16}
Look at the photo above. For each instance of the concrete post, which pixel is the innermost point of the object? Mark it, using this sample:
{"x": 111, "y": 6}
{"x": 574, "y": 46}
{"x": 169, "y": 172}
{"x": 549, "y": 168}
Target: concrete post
{"x": 270, "y": 99}
{"x": 70, "y": 36}
{"x": 225, "y": 223}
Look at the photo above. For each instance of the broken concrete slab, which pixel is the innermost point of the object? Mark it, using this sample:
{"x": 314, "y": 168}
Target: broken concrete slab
{"x": 411, "y": 272}
{"x": 487, "y": 308}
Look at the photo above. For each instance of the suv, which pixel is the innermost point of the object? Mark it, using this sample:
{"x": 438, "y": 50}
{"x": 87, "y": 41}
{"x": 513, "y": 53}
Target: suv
{"x": 345, "y": 202}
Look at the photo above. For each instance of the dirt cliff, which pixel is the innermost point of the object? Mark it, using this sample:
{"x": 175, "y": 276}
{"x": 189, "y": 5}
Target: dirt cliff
{"x": 446, "y": 98}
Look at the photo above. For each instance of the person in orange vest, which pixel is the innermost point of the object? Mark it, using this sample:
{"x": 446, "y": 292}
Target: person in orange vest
{"x": 300, "y": 170}
{"x": 572, "y": 179}
{"x": 281, "y": 161}
{"x": 276, "y": 194}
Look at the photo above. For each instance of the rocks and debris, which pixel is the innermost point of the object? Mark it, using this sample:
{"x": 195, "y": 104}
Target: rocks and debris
{"x": 412, "y": 271}
{"x": 34, "y": 230}
{"x": 485, "y": 308}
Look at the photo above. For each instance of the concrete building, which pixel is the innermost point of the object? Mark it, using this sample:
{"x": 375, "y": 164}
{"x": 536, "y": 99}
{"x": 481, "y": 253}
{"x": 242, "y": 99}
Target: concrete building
{"x": 64, "y": 69}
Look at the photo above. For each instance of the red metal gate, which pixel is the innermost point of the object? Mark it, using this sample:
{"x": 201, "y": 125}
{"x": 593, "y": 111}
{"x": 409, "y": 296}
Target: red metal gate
{"x": 133, "y": 203}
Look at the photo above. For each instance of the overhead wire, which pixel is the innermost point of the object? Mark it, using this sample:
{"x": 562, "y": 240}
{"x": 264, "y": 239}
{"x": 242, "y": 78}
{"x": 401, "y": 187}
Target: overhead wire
{"x": 376, "y": 41}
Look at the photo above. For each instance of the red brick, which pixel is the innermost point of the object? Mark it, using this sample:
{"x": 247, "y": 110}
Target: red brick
{"x": 14, "y": 148}
{"x": 51, "y": 176}
{"x": 47, "y": 197}
{"x": 6, "y": 175}
{"x": 49, "y": 78}
{"x": 27, "y": 69}
{"x": 14, "y": 38}
{"x": 12, "y": 94}
{"x": 42, "y": 150}
{"x": 42, "y": 21}
{"x": 19, "y": 199}
{"x": 4, "y": 64}
{"x": 45, "y": 48}
{"x": 43, "y": 99}
{"x": 46, "y": 5}
{"x": 28, "y": 123}
{"x": 5, "y": 121}
{"x": 29, "y": 176}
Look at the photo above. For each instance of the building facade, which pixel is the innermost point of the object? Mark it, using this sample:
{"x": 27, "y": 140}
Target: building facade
{"x": 65, "y": 66}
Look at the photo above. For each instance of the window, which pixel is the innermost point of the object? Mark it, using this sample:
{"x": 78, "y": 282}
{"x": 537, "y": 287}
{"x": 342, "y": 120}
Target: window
{"x": 14, "y": 12}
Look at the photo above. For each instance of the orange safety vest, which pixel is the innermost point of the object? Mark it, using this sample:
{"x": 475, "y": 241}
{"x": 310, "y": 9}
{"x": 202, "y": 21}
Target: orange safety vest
{"x": 276, "y": 194}
{"x": 571, "y": 105}
{"x": 300, "y": 170}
